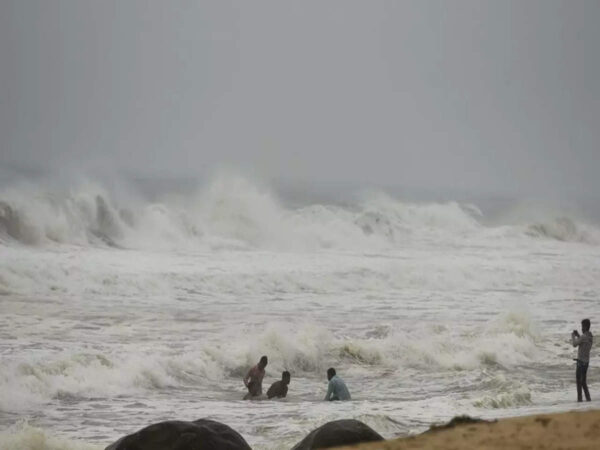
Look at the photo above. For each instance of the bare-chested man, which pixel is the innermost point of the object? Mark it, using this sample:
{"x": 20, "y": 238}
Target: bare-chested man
{"x": 279, "y": 389}
{"x": 253, "y": 379}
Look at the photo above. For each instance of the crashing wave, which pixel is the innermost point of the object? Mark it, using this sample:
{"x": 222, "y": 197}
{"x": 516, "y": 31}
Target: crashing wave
{"x": 562, "y": 229}
{"x": 229, "y": 210}
{"x": 521, "y": 397}
{"x": 305, "y": 350}
{"x": 40, "y": 218}
{"x": 13, "y": 226}
{"x": 234, "y": 213}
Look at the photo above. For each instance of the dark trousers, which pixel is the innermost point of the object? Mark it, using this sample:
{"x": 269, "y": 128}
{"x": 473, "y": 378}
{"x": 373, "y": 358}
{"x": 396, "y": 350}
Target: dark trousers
{"x": 580, "y": 376}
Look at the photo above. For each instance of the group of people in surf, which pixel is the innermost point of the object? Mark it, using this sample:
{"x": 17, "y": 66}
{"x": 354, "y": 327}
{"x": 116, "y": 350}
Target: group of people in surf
{"x": 336, "y": 389}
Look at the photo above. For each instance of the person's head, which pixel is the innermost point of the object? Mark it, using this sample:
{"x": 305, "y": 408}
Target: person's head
{"x": 585, "y": 325}
{"x": 330, "y": 373}
{"x": 285, "y": 377}
{"x": 263, "y": 362}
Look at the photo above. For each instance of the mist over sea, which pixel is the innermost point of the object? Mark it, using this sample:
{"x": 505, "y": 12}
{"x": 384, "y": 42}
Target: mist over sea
{"x": 126, "y": 303}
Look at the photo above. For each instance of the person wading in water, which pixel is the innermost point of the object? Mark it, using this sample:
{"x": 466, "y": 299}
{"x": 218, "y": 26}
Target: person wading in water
{"x": 253, "y": 379}
{"x": 279, "y": 389}
{"x": 336, "y": 388}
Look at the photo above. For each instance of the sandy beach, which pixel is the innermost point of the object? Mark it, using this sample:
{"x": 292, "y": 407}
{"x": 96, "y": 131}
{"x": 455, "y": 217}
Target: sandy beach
{"x": 574, "y": 430}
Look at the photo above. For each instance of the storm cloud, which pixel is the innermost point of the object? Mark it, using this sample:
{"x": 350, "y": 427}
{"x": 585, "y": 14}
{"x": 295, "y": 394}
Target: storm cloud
{"x": 498, "y": 96}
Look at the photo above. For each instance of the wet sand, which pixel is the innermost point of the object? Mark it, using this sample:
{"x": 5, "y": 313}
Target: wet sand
{"x": 575, "y": 430}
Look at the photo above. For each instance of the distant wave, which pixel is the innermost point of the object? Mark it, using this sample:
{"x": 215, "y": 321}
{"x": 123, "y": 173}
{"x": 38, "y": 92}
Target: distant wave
{"x": 232, "y": 213}
{"x": 229, "y": 212}
{"x": 564, "y": 229}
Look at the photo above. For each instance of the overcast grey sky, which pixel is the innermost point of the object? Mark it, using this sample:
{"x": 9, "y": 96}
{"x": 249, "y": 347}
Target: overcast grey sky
{"x": 477, "y": 95}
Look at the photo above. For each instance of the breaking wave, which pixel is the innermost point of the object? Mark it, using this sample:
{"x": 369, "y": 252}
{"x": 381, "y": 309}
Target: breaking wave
{"x": 503, "y": 392}
{"x": 564, "y": 229}
{"x": 230, "y": 213}
{"x": 305, "y": 350}
{"x": 519, "y": 397}
{"x": 234, "y": 213}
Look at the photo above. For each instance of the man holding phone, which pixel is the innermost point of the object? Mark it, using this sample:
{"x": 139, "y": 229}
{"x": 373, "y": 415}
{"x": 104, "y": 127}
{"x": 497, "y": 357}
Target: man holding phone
{"x": 584, "y": 342}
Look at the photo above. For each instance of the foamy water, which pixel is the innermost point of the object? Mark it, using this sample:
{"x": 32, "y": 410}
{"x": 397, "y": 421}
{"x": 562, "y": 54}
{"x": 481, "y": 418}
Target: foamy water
{"x": 117, "y": 313}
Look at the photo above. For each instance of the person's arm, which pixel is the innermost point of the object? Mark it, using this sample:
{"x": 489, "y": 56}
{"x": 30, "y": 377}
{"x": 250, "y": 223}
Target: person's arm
{"x": 284, "y": 393}
{"x": 247, "y": 377}
{"x": 577, "y": 340}
{"x": 329, "y": 391}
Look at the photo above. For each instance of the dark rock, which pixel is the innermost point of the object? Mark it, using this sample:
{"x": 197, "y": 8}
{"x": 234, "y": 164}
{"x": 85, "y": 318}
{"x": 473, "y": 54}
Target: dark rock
{"x": 202, "y": 434}
{"x": 338, "y": 432}
{"x": 458, "y": 420}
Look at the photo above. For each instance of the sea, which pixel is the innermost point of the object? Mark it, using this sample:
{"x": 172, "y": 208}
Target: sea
{"x": 122, "y": 306}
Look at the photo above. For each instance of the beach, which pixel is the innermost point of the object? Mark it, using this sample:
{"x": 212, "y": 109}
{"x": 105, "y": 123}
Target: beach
{"x": 573, "y": 430}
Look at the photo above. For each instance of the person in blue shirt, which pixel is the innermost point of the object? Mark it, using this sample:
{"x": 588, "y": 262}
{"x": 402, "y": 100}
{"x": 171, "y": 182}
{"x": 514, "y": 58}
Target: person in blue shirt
{"x": 336, "y": 390}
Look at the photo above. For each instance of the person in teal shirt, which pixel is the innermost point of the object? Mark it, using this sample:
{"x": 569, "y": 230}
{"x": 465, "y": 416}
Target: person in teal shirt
{"x": 336, "y": 390}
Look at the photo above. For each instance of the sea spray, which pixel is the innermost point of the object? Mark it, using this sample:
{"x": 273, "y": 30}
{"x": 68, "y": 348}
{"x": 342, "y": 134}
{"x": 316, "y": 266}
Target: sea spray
{"x": 132, "y": 309}
{"x": 232, "y": 210}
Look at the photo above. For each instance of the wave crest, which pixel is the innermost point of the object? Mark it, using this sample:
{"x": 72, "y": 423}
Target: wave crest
{"x": 233, "y": 213}
{"x": 563, "y": 229}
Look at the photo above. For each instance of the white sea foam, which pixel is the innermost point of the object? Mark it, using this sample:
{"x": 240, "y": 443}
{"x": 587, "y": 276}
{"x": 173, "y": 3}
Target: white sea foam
{"x": 23, "y": 436}
{"x": 565, "y": 229}
{"x": 515, "y": 398}
{"x": 120, "y": 311}
{"x": 230, "y": 212}
{"x": 306, "y": 351}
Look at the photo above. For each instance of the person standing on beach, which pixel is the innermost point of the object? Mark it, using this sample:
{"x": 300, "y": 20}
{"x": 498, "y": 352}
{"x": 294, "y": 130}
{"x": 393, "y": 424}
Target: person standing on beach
{"x": 279, "y": 389}
{"x": 254, "y": 377}
{"x": 584, "y": 342}
{"x": 336, "y": 389}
